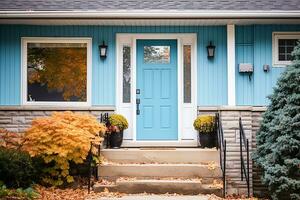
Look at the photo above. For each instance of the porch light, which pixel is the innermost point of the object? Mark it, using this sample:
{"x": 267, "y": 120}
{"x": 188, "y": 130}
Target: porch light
{"x": 211, "y": 50}
{"x": 103, "y": 50}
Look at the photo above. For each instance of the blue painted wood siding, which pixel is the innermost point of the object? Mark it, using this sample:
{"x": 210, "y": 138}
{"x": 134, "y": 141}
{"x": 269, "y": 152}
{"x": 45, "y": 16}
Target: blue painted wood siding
{"x": 212, "y": 74}
{"x": 254, "y": 45}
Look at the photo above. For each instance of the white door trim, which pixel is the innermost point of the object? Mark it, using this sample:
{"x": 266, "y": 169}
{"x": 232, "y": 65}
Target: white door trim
{"x": 187, "y": 112}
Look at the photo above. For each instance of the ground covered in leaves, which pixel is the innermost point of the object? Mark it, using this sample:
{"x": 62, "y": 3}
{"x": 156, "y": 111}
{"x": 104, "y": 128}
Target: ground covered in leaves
{"x": 82, "y": 194}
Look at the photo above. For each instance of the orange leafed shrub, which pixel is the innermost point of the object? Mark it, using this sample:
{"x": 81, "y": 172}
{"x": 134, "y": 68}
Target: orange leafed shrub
{"x": 10, "y": 140}
{"x": 61, "y": 138}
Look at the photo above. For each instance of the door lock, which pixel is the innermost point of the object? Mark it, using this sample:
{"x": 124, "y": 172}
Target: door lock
{"x": 138, "y": 101}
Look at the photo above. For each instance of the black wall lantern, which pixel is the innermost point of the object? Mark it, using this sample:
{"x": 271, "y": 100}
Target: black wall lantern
{"x": 103, "y": 50}
{"x": 211, "y": 50}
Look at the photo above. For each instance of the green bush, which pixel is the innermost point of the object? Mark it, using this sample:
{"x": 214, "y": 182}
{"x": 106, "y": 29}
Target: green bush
{"x": 118, "y": 121}
{"x": 278, "y": 140}
{"x": 18, "y": 169}
{"x": 204, "y": 123}
{"x": 21, "y": 194}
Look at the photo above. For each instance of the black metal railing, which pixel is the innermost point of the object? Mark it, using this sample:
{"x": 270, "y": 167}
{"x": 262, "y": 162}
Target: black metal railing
{"x": 104, "y": 118}
{"x": 92, "y": 166}
{"x": 244, "y": 142}
{"x": 222, "y": 148}
{"x": 93, "y": 169}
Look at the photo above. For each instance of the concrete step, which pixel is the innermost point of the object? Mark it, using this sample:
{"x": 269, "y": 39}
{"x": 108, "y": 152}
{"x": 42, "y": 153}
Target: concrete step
{"x": 113, "y": 180}
{"x": 161, "y": 155}
{"x": 186, "y": 187}
{"x": 160, "y": 170}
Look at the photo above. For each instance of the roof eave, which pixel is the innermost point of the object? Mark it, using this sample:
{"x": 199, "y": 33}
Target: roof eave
{"x": 151, "y": 14}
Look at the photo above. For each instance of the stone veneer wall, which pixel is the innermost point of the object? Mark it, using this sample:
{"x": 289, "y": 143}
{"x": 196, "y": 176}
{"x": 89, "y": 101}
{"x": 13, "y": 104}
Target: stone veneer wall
{"x": 17, "y": 119}
{"x": 251, "y": 117}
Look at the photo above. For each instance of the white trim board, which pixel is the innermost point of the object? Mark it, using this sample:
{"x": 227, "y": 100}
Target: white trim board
{"x": 187, "y": 112}
{"x": 231, "y": 64}
{"x": 26, "y": 40}
{"x": 150, "y": 14}
{"x": 148, "y": 22}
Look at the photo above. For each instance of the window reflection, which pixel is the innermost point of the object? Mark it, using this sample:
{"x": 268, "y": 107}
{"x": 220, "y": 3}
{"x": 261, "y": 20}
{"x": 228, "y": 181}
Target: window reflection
{"x": 187, "y": 73}
{"x": 156, "y": 54}
{"x": 126, "y": 74}
{"x": 57, "y": 72}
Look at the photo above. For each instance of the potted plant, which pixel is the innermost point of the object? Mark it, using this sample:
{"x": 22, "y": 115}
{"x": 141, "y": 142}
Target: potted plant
{"x": 116, "y": 125}
{"x": 205, "y": 125}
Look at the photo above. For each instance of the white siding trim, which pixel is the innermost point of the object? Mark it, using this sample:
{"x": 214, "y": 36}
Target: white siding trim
{"x": 142, "y": 13}
{"x": 231, "y": 64}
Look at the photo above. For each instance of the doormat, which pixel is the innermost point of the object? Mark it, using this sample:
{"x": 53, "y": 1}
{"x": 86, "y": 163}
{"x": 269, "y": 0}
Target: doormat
{"x": 157, "y": 148}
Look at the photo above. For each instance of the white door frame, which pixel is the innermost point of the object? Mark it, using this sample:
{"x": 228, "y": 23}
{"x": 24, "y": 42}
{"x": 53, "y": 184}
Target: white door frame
{"x": 187, "y": 112}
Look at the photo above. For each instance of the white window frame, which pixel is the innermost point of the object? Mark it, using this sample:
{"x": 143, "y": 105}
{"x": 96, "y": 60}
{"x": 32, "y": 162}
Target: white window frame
{"x": 281, "y": 35}
{"x": 25, "y": 41}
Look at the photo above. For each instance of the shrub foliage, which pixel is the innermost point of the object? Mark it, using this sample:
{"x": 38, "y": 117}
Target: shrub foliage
{"x": 117, "y": 122}
{"x": 60, "y": 139}
{"x": 17, "y": 194}
{"x": 204, "y": 123}
{"x": 278, "y": 140}
{"x": 17, "y": 168}
{"x": 10, "y": 140}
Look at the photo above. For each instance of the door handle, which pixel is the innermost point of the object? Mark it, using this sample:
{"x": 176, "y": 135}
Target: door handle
{"x": 138, "y": 101}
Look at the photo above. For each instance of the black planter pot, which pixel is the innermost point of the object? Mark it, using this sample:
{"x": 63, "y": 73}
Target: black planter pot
{"x": 116, "y": 139}
{"x": 207, "y": 140}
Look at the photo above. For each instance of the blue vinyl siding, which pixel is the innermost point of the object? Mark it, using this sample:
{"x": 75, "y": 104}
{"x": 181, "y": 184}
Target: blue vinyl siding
{"x": 212, "y": 74}
{"x": 254, "y": 45}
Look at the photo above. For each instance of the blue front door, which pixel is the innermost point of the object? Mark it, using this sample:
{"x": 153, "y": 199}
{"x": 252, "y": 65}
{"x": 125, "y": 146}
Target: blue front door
{"x": 157, "y": 118}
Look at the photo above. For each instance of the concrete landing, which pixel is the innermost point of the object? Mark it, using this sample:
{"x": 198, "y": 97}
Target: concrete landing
{"x": 161, "y": 155}
{"x": 159, "y": 170}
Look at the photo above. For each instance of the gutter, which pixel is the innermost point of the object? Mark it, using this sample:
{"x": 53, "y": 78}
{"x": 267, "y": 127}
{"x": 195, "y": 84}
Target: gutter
{"x": 150, "y": 14}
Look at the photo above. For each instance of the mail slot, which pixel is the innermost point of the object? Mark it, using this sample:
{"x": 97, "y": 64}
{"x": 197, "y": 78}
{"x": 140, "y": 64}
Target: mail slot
{"x": 245, "y": 68}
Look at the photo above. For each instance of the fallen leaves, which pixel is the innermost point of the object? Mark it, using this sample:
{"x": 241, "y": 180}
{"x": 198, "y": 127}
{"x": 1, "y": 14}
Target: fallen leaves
{"x": 214, "y": 197}
{"x": 73, "y": 194}
{"x": 105, "y": 193}
{"x": 82, "y": 194}
{"x": 61, "y": 194}
{"x": 105, "y": 182}
{"x": 211, "y": 166}
{"x": 217, "y": 184}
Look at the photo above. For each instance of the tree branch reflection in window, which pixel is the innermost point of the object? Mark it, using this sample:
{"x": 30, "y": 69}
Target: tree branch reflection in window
{"x": 57, "y": 72}
{"x": 126, "y": 74}
{"x": 156, "y": 54}
{"x": 187, "y": 73}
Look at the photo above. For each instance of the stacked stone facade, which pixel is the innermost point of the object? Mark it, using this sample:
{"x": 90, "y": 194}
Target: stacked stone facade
{"x": 251, "y": 117}
{"x": 17, "y": 119}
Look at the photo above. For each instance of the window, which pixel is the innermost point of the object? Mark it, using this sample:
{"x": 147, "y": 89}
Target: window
{"x": 157, "y": 54}
{"x": 187, "y": 73}
{"x": 56, "y": 71}
{"x": 126, "y": 74}
{"x": 283, "y": 46}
